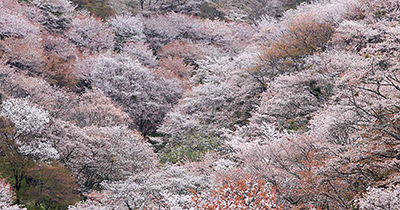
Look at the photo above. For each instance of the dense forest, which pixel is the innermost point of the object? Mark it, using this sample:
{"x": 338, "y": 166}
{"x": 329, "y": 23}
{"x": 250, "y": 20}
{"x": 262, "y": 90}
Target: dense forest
{"x": 200, "y": 104}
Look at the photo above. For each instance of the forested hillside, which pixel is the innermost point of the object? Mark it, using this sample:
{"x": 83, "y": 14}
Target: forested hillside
{"x": 199, "y": 104}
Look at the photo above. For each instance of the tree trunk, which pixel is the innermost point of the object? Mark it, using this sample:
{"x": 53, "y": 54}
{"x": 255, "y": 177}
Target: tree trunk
{"x": 141, "y": 4}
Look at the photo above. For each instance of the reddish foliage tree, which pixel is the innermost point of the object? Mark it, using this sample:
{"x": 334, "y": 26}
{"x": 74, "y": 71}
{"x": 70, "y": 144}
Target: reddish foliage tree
{"x": 247, "y": 193}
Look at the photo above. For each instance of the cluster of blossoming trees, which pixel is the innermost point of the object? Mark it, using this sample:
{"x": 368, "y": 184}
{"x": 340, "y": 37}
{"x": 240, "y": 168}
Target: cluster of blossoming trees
{"x": 170, "y": 111}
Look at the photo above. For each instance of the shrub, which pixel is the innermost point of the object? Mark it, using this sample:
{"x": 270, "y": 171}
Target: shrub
{"x": 192, "y": 148}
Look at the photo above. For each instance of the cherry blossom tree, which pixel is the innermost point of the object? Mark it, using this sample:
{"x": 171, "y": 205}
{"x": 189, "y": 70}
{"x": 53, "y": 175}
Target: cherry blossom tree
{"x": 167, "y": 188}
{"x": 27, "y": 119}
{"x": 57, "y": 14}
{"x": 6, "y": 194}
{"x": 59, "y": 46}
{"x": 95, "y": 109}
{"x": 56, "y": 101}
{"x": 94, "y": 154}
{"x": 18, "y": 33}
{"x": 221, "y": 97}
{"x": 14, "y": 23}
{"x": 291, "y": 100}
{"x": 144, "y": 97}
{"x": 141, "y": 51}
{"x": 380, "y": 198}
{"x": 89, "y": 205}
{"x": 6, "y": 197}
{"x": 88, "y": 32}
{"x": 40, "y": 150}
{"x": 163, "y": 29}
{"x": 127, "y": 29}
{"x": 221, "y": 82}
